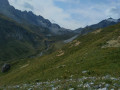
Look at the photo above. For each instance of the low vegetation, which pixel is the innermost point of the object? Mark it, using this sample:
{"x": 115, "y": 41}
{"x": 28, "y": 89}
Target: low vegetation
{"x": 85, "y": 57}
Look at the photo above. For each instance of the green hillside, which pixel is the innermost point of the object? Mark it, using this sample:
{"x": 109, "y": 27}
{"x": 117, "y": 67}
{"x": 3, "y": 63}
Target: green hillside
{"x": 97, "y": 53}
{"x": 17, "y": 41}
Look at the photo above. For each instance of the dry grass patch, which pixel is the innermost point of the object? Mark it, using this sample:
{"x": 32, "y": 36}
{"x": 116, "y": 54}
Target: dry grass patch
{"x": 75, "y": 43}
{"x": 60, "y": 53}
{"x": 24, "y": 66}
{"x": 112, "y": 43}
{"x": 97, "y": 31}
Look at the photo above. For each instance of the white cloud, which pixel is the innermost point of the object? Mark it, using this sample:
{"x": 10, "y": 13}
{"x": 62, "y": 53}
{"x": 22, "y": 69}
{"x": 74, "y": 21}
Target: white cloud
{"x": 115, "y": 12}
{"x": 47, "y": 9}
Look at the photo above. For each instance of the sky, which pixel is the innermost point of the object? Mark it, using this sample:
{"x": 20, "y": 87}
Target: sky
{"x": 71, "y": 14}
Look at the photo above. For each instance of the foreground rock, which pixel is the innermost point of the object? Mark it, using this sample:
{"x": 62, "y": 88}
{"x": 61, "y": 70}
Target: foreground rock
{"x": 5, "y": 68}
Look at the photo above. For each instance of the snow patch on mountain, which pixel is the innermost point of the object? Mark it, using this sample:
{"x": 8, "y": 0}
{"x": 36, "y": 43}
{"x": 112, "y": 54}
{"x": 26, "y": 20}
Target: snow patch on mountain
{"x": 112, "y": 20}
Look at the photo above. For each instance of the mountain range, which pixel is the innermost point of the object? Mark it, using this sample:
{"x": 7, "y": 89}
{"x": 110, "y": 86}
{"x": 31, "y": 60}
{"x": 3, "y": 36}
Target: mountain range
{"x": 29, "y": 18}
{"x": 23, "y": 34}
{"x": 38, "y": 54}
{"x": 102, "y": 24}
{"x": 21, "y": 29}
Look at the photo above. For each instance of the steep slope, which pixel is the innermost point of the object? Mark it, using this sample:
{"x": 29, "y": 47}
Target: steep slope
{"x": 29, "y": 18}
{"x": 18, "y": 41}
{"x": 22, "y": 41}
{"x": 102, "y": 24}
{"x": 94, "y": 54}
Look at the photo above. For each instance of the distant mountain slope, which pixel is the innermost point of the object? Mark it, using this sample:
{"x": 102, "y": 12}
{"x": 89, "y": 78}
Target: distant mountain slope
{"x": 29, "y": 18}
{"x": 23, "y": 34}
{"x": 17, "y": 41}
{"x": 102, "y": 24}
{"x": 97, "y": 54}
{"x": 21, "y": 41}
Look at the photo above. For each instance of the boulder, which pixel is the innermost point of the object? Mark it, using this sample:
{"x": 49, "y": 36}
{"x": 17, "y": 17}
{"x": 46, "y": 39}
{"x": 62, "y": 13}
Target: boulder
{"x": 5, "y": 68}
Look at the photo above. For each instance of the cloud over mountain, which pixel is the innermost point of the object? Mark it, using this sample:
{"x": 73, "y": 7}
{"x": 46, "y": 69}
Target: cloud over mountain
{"x": 71, "y": 13}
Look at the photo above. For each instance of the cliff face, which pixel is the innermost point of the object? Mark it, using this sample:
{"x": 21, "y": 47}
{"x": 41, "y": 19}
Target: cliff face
{"x": 18, "y": 41}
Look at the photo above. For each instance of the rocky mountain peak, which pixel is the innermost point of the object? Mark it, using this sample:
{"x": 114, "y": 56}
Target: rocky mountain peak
{"x": 30, "y": 18}
{"x": 112, "y": 20}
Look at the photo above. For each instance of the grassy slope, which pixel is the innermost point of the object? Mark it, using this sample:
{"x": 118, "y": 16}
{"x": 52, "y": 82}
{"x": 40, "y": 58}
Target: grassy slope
{"x": 11, "y": 47}
{"x": 21, "y": 41}
{"x": 87, "y": 56}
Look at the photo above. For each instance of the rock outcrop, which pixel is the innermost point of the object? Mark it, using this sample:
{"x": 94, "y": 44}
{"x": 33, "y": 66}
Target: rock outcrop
{"x": 5, "y": 68}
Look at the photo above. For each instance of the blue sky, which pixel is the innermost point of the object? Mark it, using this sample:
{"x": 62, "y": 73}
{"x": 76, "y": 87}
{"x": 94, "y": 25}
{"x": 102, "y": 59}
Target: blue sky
{"x": 71, "y": 14}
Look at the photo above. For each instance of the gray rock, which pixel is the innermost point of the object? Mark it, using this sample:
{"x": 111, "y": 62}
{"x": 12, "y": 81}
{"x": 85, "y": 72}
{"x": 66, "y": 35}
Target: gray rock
{"x": 30, "y": 89}
{"x": 107, "y": 85}
{"x": 5, "y": 68}
{"x": 84, "y": 72}
{"x": 97, "y": 87}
